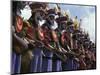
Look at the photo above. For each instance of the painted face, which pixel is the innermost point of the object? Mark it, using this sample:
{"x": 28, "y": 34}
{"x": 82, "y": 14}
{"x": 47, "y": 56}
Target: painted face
{"x": 42, "y": 14}
{"x": 51, "y": 17}
{"x": 26, "y": 13}
{"x": 39, "y": 18}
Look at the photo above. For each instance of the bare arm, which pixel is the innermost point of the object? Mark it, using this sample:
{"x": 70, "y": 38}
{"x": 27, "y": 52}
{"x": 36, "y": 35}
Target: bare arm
{"x": 21, "y": 41}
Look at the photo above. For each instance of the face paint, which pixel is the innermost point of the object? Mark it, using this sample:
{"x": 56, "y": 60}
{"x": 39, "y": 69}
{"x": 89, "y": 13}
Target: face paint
{"x": 54, "y": 26}
{"x": 26, "y": 13}
{"x": 41, "y": 22}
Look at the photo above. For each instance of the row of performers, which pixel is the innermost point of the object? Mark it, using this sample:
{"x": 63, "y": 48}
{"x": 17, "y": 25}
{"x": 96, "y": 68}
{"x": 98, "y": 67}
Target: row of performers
{"x": 49, "y": 45}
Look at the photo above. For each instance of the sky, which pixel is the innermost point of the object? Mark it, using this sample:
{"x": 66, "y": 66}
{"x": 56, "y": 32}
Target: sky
{"x": 86, "y": 13}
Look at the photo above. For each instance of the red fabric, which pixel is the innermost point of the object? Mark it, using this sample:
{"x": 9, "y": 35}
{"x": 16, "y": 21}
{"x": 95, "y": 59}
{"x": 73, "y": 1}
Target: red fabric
{"x": 41, "y": 34}
{"x": 19, "y": 24}
{"x": 65, "y": 37}
{"x": 30, "y": 33}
